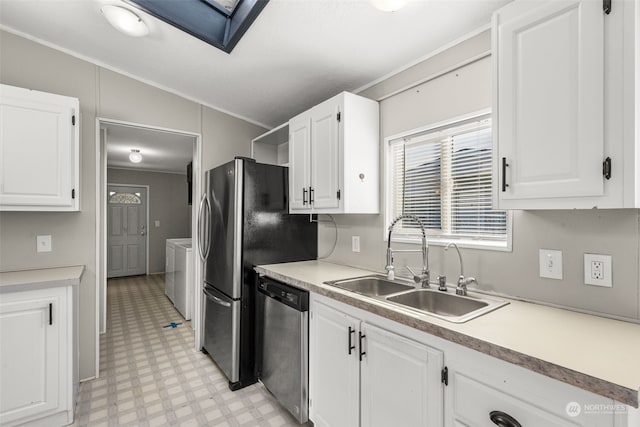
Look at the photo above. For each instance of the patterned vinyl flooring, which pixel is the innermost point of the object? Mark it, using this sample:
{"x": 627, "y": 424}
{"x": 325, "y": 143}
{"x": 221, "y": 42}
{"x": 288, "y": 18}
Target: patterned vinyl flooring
{"x": 150, "y": 375}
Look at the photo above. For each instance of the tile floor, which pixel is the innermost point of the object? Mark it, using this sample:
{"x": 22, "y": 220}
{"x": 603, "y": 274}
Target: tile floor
{"x": 152, "y": 376}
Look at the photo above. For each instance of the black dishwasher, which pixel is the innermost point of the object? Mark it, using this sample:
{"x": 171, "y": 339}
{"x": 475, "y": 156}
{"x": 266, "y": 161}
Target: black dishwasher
{"x": 283, "y": 340}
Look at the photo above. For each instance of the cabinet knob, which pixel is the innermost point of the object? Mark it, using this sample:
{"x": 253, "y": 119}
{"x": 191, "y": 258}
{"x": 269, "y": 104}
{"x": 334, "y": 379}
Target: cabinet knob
{"x": 502, "y": 419}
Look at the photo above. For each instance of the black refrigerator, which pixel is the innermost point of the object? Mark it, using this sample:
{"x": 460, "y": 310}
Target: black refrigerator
{"x": 244, "y": 222}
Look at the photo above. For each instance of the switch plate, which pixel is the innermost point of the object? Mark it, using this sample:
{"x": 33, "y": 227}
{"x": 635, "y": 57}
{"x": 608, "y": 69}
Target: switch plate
{"x": 43, "y": 243}
{"x": 355, "y": 243}
{"x": 551, "y": 264}
{"x": 597, "y": 270}
{"x": 157, "y": 223}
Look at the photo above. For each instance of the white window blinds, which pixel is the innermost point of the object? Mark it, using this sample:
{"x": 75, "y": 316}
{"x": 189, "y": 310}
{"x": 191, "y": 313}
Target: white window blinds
{"x": 443, "y": 176}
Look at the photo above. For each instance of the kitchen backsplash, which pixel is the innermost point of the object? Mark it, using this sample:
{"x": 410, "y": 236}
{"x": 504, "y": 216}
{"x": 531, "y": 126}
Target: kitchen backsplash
{"x": 516, "y": 273}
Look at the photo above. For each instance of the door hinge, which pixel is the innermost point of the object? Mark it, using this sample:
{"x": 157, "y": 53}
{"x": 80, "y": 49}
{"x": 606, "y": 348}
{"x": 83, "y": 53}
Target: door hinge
{"x": 606, "y": 6}
{"x": 51, "y": 313}
{"x": 606, "y": 168}
{"x": 338, "y": 194}
{"x": 339, "y": 116}
{"x": 73, "y": 120}
{"x": 444, "y": 376}
{"x": 73, "y": 193}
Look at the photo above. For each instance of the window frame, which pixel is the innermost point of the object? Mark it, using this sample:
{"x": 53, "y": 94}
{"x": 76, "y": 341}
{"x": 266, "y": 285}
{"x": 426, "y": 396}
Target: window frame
{"x": 432, "y": 238}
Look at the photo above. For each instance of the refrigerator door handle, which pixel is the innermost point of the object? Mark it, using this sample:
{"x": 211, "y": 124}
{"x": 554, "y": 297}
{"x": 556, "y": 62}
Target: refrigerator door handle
{"x": 216, "y": 299}
{"x": 204, "y": 242}
{"x": 201, "y": 251}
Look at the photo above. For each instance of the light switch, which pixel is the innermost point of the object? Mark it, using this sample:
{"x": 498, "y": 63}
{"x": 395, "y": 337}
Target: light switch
{"x": 43, "y": 243}
{"x": 551, "y": 264}
{"x": 157, "y": 223}
{"x": 355, "y": 243}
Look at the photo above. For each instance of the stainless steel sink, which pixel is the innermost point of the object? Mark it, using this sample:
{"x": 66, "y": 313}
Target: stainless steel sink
{"x": 372, "y": 286}
{"x": 443, "y": 305}
{"x": 447, "y": 306}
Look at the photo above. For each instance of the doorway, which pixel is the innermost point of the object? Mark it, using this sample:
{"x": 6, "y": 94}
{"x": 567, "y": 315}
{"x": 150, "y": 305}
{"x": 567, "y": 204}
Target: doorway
{"x": 127, "y": 220}
{"x": 129, "y": 235}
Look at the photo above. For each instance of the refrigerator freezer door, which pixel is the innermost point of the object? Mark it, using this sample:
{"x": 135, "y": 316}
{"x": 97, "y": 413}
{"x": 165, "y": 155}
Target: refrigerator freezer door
{"x": 223, "y": 265}
{"x": 222, "y": 331}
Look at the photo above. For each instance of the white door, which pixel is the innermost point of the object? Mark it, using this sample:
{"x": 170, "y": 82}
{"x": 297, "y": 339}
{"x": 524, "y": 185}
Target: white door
{"x": 30, "y": 369}
{"x": 37, "y": 150}
{"x": 325, "y": 146}
{"x": 126, "y": 231}
{"x": 334, "y": 368}
{"x": 400, "y": 381}
{"x": 550, "y": 81}
{"x": 299, "y": 162}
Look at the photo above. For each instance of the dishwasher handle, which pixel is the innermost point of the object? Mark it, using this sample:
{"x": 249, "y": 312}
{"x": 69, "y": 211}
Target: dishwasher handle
{"x": 216, "y": 299}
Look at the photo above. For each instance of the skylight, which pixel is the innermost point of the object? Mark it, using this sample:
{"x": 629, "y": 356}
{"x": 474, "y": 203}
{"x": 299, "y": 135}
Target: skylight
{"x": 220, "y": 23}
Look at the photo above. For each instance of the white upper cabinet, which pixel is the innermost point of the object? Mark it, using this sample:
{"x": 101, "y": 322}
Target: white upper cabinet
{"x": 564, "y": 105}
{"x": 39, "y": 151}
{"x": 333, "y": 157}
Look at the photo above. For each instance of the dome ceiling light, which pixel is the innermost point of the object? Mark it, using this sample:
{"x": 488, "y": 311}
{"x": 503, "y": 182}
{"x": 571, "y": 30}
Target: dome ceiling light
{"x": 125, "y": 21}
{"x": 135, "y": 156}
{"x": 389, "y": 5}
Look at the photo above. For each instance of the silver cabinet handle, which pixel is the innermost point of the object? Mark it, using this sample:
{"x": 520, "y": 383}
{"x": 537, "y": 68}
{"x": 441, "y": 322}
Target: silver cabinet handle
{"x": 216, "y": 299}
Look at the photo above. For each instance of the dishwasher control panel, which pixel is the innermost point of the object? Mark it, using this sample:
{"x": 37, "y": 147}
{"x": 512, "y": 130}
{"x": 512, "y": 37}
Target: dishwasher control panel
{"x": 293, "y": 297}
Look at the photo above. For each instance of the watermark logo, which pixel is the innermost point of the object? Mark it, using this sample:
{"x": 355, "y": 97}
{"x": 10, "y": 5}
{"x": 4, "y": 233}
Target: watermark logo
{"x": 573, "y": 409}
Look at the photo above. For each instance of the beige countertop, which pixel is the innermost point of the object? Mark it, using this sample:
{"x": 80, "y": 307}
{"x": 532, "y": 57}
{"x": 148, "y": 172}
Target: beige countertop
{"x": 11, "y": 281}
{"x": 594, "y": 353}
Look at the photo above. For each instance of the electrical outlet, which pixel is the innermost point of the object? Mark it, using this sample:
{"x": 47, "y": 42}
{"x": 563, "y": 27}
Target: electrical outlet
{"x": 597, "y": 270}
{"x": 43, "y": 243}
{"x": 550, "y": 264}
{"x": 355, "y": 243}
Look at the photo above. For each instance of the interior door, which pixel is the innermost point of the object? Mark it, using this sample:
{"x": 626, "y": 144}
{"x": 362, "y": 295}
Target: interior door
{"x": 126, "y": 231}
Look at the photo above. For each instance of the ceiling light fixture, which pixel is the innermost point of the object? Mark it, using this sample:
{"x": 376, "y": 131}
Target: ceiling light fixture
{"x": 125, "y": 21}
{"x": 389, "y": 5}
{"x": 135, "y": 156}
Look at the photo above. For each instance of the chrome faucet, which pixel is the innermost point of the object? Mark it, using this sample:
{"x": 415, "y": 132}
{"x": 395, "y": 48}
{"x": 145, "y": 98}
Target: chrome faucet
{"x": 423, "y": 277}
{"x": 463, "y": 282}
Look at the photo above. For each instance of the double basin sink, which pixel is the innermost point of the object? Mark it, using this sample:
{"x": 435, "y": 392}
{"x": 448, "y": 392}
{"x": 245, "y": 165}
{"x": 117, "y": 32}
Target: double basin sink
{"x": 444, "y": 305}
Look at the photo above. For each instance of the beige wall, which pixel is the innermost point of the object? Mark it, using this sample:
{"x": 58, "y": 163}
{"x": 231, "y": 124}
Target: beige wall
{"x": 104, "y": 94}
{"x": 613, "y": 232}
{"x": 168, "y": 204}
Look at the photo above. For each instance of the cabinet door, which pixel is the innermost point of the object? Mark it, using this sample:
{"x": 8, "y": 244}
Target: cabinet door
{"x": 400, "y": 381}
{"x": 30, "y": 363}
{"x": 38, "y": 150}
{"x": 333, "y": 368}
{"x": 299, "y": 163}
{"x": 549, "y": 66}
{"x": 325, "y": 148}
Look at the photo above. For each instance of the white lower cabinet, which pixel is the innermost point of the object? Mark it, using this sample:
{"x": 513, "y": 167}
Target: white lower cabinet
{"x": 361, "y": 374}
{"x": 36, "y": 357}
{"x": 366, "y": 370}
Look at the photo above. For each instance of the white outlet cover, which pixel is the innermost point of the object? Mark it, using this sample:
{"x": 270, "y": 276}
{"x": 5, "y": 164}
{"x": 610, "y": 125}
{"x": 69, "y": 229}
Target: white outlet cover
{"x": 606, "y": 261}
{"x": 43, "y": 243}
{"x": 355, "y": 243}
{"x": 550, "y": 264}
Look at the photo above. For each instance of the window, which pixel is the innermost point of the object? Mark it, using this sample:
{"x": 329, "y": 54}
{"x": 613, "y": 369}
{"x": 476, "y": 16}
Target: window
{"x": 124, "y": 198}
{"x": 221, "y": 23}
{"x": 442, "y": 175}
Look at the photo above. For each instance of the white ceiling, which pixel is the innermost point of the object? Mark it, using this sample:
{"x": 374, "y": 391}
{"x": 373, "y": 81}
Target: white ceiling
{"x": 161, "y": 151}
{"x": 296, "y": 54}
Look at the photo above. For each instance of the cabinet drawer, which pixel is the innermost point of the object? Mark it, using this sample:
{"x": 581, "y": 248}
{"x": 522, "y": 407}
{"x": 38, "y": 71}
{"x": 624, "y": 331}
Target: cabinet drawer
{"x": 474, "y": 401}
